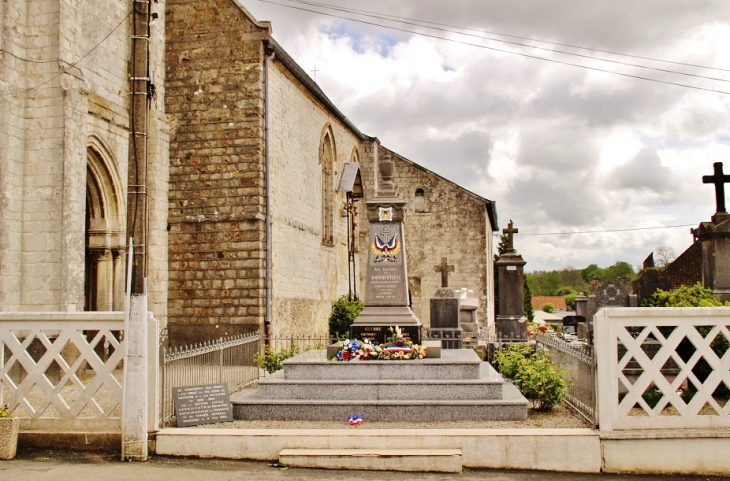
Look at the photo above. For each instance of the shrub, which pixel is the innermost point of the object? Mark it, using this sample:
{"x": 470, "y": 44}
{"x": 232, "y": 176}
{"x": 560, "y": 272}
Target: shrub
{"x": 695, "y": 296}
{"x": 534, "y": 374}
{"x": 506, "y": 361}
{"x": 270, "y": 361}
{"x": 344, "y": 312}
{"x": 548, "y": 307}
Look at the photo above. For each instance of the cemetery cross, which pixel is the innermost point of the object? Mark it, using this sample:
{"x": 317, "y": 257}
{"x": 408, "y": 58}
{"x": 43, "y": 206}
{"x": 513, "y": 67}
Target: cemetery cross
{"x": 444, "y": 269}
{"x": 719, "y": 179}
{"x": 510, "y": 231}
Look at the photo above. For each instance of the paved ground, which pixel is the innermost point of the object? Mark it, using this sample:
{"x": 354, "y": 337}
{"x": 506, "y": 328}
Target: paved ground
{"x": 58, "y": 465}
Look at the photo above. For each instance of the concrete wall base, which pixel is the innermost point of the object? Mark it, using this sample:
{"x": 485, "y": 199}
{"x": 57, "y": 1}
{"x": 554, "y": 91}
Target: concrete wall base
{"x": 538, "y": 449}
{"x": 667, "y": 452}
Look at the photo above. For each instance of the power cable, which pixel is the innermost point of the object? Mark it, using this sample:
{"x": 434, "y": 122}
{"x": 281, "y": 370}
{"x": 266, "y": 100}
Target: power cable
{"x": 653, "y": 59}
{"x": 602, "y": 231}
{"x": 73, "y": 65}
{"x": 422, "y": 34}
{"x": 446, "y": 30}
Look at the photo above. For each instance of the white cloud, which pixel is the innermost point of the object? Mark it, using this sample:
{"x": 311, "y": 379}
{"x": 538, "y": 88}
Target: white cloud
{"x": 560, "y": 148}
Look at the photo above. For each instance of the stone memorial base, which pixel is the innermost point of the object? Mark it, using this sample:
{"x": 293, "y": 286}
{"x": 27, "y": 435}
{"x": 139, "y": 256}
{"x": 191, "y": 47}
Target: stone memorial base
{"x": 511, "y": 329}
{"x": 451, "y": 338}
{"x": 374, "y": 323}
{"x": 456, "y": 387}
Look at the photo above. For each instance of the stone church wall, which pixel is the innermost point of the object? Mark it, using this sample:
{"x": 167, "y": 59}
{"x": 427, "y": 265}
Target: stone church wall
{"x": 215, "y": 100}
{"x": 71, "y": 96}
{"x": 448, "y": 222}
{"x": 308, "y": 274}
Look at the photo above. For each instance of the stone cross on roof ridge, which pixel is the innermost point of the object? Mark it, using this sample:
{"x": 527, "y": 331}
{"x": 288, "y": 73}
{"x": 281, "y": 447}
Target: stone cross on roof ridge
{"x": 510, "y": 231}
{"x": 719, "y": 179}
{"x": 444, "y": 268}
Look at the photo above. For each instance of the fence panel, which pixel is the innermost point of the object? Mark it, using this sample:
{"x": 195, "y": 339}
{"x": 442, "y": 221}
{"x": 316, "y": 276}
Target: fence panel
{"x": 580, "y": 365}
{"x": 226, "y": 360}
{"x": 663, "y": 367}
{"x": 63, "y": 371}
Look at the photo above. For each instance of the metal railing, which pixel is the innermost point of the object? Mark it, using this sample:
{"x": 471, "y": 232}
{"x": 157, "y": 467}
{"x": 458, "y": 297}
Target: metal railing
{"x": 227, "y": 360}
{"x": 579, "y": 363}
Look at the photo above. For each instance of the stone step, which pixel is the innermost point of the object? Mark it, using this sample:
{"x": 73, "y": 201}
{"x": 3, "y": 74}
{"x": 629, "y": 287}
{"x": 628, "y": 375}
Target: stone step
{"x": 415, "y": 460}
{"x": 276, "y": 387}
{"x": 454, "y": 364}
{"x": 512, "y": 407}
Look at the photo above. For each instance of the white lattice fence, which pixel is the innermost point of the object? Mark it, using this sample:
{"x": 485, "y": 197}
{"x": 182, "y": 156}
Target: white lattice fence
{"x": 662, "y": 368}
{"x": 63, "y": 371}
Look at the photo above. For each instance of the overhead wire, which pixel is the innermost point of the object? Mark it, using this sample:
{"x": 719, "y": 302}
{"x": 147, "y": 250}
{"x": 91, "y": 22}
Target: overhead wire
{"x": 522, "y": 54}
{"x": 607, "y": 231}
{"x": 531, "y": 39}
{"x": 73, "y": 65}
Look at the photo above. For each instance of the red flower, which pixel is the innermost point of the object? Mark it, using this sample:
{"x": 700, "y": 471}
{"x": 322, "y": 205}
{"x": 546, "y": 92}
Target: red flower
{"x": 399, "y": 343}
{"x": 543, "y": 328}
{"x": 346, "y": 355}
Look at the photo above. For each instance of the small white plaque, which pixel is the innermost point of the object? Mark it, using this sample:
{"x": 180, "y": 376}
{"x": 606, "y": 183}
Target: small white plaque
{"x": 511, "y": 268}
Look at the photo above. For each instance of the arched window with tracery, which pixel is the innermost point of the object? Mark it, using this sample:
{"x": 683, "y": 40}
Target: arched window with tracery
{"x": 327, "y": 160}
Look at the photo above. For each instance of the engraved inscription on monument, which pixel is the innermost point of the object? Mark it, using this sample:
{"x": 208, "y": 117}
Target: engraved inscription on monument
{"x": 204, "y": 404}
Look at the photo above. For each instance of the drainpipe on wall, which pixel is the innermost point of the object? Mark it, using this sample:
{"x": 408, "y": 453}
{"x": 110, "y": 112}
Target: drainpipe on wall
{"x": 267, "y": 316}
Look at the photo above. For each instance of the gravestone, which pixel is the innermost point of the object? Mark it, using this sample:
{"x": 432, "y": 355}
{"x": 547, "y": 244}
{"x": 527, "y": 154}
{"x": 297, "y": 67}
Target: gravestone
{"x": 511, "y": 317}
{"x": 609, "y": 293}
{"x": 445, "y": 312}
{"x": 715, "y": 239}
{"x": 386, "y": 277}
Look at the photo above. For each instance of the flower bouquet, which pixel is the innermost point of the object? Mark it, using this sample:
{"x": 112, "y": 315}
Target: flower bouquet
{"x": 398, "y": 347}
{"x": 356, "y": 350}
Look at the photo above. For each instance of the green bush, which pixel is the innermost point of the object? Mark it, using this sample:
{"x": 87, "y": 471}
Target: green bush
{"x": 537, "y": 378}
{"x": 695, "y": 296}
{"x": 344, "y": 312}
{"x": 507, "y": 360}
{"x": 271, "y": 361}
{"x": 548, "y": 307}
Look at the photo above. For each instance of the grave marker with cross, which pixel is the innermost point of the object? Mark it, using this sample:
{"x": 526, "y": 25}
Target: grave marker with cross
{"x": 719, "y": 179}
{"x": 444, "y": 268}
{"x": 510, "y": 231}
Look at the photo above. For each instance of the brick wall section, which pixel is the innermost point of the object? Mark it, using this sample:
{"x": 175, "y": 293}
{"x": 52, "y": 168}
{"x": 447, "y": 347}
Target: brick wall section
{"x": 454, "y": 225}
{"x": 686, "y": 270}
{"x": 214, "y": 97}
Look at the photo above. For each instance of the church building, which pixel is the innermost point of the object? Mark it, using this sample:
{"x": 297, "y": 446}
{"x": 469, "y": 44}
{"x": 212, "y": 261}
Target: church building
{"x": 246, "y": 227}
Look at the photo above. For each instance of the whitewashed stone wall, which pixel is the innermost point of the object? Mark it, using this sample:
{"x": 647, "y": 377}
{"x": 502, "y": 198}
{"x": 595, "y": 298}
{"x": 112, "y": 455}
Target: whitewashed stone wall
{"x": 307, "y": 275}
{"x": 64, "y": 88}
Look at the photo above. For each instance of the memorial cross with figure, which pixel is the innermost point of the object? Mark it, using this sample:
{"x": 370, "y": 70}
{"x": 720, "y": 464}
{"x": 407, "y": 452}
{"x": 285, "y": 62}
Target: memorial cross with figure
{"x": 444, "y": 269}
{"x": 510, "y": 231}
{"x": 719, "y": 179}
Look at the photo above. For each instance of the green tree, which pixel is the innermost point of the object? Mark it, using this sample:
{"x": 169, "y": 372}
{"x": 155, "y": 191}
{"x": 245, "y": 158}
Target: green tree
{"x": 529, "y": 313}
{"x": 591, "y": 272}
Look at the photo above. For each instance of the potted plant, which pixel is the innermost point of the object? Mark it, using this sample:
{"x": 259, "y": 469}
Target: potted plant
{"x": 9, "y": 427}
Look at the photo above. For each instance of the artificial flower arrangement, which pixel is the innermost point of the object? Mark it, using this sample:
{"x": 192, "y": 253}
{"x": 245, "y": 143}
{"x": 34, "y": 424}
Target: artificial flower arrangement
{"x": 5, "y": 412}
{"x": 398, "y": 347}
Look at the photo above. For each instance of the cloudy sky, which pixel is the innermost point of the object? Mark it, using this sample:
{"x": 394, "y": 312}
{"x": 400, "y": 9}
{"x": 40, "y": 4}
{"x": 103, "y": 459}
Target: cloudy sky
{"x": 537, "y": 106}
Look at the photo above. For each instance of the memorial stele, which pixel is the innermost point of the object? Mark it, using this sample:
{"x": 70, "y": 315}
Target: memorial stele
{"x": 386, "y": 280}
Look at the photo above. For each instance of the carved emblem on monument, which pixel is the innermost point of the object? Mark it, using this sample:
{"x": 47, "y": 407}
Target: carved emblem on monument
{"x": 385, "y": 214}
{"x": 385, "y": 247}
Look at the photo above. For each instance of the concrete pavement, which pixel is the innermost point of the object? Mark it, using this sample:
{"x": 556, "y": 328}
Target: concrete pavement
{"x": 56, "y": 465}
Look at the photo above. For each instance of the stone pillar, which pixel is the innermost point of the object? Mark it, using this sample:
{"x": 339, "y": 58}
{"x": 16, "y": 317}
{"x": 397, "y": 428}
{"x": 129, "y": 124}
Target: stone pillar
{"x": 715, "y": 239}
{"x": 511, "y": 321}
{"x": 104, "y": 281}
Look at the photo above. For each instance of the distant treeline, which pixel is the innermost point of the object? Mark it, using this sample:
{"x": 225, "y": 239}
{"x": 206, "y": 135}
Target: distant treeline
{"x": 570, "y": 282}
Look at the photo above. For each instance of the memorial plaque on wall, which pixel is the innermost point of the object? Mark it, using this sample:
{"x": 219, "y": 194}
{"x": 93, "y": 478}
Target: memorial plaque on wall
{"x": 378, "y": 334}
{"x": 206, "y": 404}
